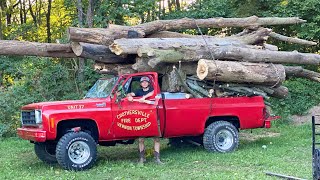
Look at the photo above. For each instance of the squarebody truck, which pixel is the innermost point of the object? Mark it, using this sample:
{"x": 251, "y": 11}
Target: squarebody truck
{"x": 68, "y": 132}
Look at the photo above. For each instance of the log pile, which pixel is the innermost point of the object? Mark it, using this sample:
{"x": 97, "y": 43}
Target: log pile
{"x": 237, "y": 65}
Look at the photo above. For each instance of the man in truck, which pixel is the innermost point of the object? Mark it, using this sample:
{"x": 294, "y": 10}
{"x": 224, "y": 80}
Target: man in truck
{"x": 145, "y": 92}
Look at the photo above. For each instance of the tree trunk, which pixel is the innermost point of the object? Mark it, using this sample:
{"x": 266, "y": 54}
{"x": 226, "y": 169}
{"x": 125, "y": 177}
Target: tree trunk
{"x": 99, "y": 53}
{"x": 34, "y": 17}
{"x": 279, "y": 92}
{"x": 174, "y": 55}
{"x": 131, "y": 46}
{"x": 178, "y": 5}
{"x": 141, "y": 65}
{"x": 291, "y": 40}
{"x": 298, "y": 71}
{"x": 114, "y": 69}
{"x": 106, "y": 36}
{"x": 80, "y": 23}
{"x": 24, "y": 48}
{"x": 48, "y": 21}
{"x": 1, "y": 10}
{"x": 241, "y": 72}
{"x": 171, "y": 83}
{"x": 90, "y": 14}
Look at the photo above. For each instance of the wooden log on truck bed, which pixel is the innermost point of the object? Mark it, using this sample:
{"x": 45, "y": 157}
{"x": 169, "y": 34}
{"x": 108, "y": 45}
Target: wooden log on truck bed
{"x": 131, "y": 46}
{"x": 298, "y": 71}
{"x": 241, "y": 72}
{"x": 108, "y": 35}
{"x": 25, "y": 48}
{"x": 114, "y": 69}
{"x": 185, "y": 54}
{"x": 141, "y": 65}
{"x": 99, "y": 53}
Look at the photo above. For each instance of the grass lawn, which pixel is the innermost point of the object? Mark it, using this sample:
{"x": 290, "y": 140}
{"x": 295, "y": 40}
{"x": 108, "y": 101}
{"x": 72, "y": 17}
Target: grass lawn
{"x": 288, "y": 151}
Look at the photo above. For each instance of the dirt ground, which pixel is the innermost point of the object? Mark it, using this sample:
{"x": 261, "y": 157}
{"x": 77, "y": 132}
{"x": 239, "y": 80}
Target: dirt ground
{"x": 254, "y": 137}
{"x": 298, "y": 120}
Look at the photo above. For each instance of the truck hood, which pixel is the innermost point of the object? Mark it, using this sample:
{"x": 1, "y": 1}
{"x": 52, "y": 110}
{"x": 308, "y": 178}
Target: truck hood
{"x": 69, "y": 103}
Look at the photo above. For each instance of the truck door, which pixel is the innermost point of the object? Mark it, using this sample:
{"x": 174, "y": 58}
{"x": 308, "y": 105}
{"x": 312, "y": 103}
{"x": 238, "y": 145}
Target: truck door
{"x": 135, "y": 119}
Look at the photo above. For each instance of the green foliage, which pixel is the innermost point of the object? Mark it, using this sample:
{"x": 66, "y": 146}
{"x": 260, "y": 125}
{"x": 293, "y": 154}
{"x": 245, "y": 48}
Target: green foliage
{"x": 303, "y": 95}
{"x": 40, "y": 79}
{"x": 205, "y": 9}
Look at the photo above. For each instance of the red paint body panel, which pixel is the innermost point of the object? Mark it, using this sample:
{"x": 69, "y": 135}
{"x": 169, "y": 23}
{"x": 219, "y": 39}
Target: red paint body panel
{"x": 121, "y": 119}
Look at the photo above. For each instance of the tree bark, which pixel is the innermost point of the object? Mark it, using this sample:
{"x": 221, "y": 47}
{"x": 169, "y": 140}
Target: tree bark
{"x": 241, "y": 72}
{"x": 254, "y": 37}
{"x": 99, "y": 53}
{"x": 291, "y": 40}
{"x": 48, "y": 17}
{"x": 34, "y": 17}
{"x": 173, "y": 55}
{"x": 20, "y": 48}
{"x": 1, "y": 10}
{"x": 90, "y": 14}
{"x": 131, "y": 46}
{"x": 107, "y": 36}
{"x": 298, "y": 71}
{"x": 114, "y": 69}
{"x": 141, "y": 65}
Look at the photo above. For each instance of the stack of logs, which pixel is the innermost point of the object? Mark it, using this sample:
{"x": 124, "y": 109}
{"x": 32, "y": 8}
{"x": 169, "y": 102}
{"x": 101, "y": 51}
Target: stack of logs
{"x": 237, "y": 65}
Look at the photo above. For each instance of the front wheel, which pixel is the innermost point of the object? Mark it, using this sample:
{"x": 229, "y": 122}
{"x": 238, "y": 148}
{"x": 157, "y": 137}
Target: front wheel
{"x": 46, "y": 152}
{"x": 221, "y": 136}
{"x": 76, "y": 151}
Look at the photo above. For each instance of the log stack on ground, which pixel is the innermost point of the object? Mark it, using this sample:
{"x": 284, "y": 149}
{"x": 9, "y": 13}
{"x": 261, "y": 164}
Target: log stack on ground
{"x": 236, "y": 65}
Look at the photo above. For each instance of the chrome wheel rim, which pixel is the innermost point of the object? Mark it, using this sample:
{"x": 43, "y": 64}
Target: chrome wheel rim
{"x": 79, "y": 152}
{"x": 224, "y": 139}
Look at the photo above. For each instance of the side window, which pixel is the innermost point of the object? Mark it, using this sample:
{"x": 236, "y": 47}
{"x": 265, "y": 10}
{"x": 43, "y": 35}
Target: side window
{"x": 133, "y": 84}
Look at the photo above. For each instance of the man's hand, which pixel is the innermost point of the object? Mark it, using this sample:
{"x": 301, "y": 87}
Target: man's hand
{"x": 130, "y": 98}
{"x": 142, "y": 99}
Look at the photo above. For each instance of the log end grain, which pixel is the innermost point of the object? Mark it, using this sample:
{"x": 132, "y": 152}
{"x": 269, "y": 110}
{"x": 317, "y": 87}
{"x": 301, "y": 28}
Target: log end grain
{"x": 115, "y": 48}
{"x": 76, "y": 48}
{"x": 202, "y": 69}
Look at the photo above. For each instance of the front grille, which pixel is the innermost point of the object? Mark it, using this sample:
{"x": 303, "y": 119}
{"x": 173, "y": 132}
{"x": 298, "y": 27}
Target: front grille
{"x": 28, "y": 117}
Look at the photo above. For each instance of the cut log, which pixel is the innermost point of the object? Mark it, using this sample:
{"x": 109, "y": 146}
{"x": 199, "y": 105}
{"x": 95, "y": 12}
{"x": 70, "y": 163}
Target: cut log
{"x": 131, "y": 46}
{"x": 186, "y": 54}
{"x": 99, "y": 53}
{"x": 241, "y": 72}
{"x": 25, "y": 48}
{"x": 183, "y": 83}
{"x": 141, "y": 65}
{"x": 114, "y": 69}
{"x": 280, "y": 92}
{"x": 292, "y": 40}
{"x": 298, "y": 71}
{"x": 170, "y": 82}
{"x": 270, "y": 47}
{"x": 107, "y": 36}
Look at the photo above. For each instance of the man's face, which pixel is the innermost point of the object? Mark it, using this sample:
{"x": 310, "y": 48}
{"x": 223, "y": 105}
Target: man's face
{"x": 144, "y": 84}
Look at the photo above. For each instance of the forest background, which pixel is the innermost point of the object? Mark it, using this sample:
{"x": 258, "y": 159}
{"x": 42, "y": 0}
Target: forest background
{"x": 25, "y": 80}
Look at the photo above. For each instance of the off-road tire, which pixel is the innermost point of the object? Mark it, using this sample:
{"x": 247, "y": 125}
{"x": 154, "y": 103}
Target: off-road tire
{"x": 76, "y": 151}
{"x": 221, "y": 136}
{"x": 46, "y": 152}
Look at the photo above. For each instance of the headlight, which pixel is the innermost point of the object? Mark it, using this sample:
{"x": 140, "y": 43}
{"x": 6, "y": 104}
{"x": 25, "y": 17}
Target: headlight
{"x": 38, "y": 116}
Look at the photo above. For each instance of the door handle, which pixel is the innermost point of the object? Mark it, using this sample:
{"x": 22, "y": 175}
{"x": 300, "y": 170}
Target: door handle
{"x": 101, "y": 104}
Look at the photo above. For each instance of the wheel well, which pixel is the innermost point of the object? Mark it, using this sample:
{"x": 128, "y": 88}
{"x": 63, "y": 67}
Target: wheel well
{"x": 87, "y": 125}
{"x": 232, "y": 119}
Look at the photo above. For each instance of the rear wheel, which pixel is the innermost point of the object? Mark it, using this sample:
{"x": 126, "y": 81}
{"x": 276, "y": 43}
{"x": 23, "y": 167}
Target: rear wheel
{"x": 46, "y": 152}
{"x": 76, "y": 151}
{"x": 221, "y": 136}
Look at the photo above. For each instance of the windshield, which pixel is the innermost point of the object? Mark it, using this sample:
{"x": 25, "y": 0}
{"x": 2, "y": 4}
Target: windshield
{"x": 102, "y": 88}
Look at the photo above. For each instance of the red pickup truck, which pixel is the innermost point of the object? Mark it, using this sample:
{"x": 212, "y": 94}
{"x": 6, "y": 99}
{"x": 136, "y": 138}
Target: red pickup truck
{"x": 68, "y": 132}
